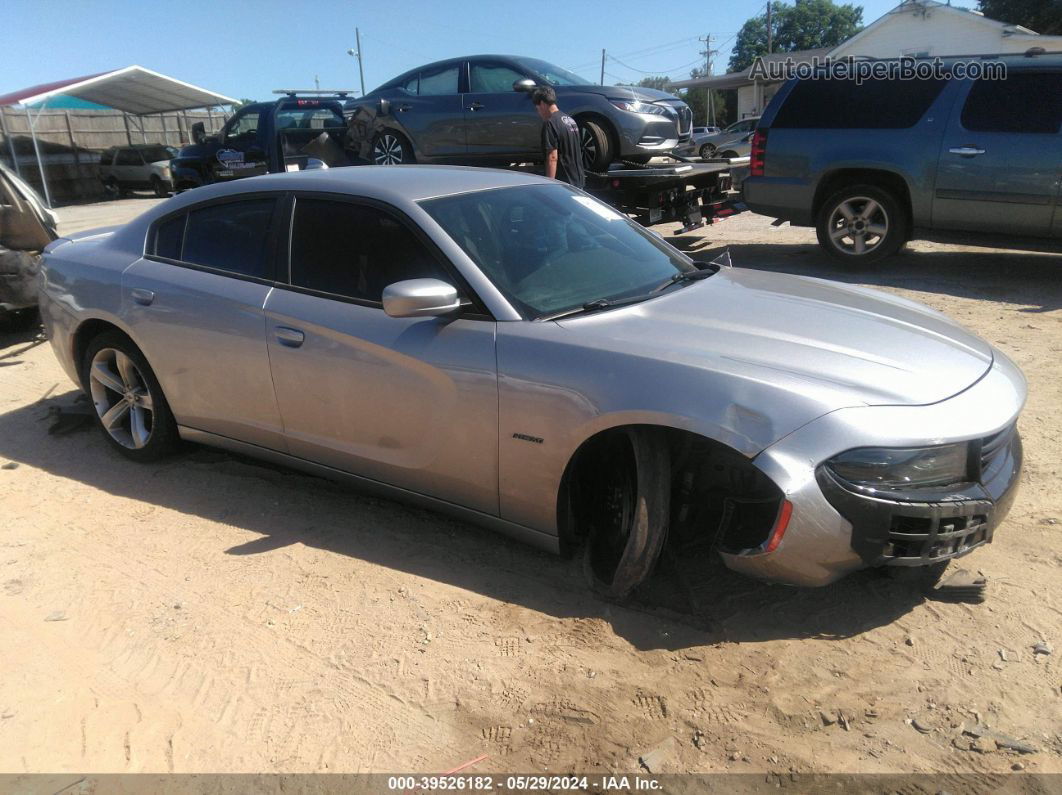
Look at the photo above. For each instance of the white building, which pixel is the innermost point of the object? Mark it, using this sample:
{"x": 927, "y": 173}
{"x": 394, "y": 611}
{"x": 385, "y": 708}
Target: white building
{"x": 915, "y": 27}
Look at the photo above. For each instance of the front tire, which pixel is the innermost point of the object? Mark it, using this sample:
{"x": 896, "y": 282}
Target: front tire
{"x": 131, "y": 411}
{"x": 707, "y": 151}
{"x": 598, "y": 150}
{"x": 628, "y": 502}
{"x": 391, "y": 149}
{"x": 161, "y": 191}
{"x": 861, "y": 224}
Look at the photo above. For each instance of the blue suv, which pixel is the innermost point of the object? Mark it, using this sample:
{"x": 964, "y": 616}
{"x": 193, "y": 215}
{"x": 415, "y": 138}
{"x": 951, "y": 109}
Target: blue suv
{"x": 873, "y": 165}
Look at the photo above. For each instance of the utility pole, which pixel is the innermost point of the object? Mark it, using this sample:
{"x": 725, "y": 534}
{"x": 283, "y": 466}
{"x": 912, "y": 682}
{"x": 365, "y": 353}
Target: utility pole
{"x": 770, "y": 38}
{"x": 317, "y": 82}
{"x": 708, "y": 53}
{"x": 602, "y": 66}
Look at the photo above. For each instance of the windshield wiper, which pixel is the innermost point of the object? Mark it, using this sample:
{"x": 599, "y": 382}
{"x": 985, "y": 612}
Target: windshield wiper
{"x": 686, "y": 276}
{"x": 600, "y": 303}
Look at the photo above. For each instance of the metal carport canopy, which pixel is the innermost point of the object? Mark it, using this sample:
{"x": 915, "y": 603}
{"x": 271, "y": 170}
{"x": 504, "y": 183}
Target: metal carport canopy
{"x": 134, "y": 90}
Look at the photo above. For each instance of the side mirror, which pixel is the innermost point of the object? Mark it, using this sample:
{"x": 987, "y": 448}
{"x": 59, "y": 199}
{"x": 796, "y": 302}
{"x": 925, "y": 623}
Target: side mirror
{"x": 420, "y": 298}
{"x": 199, "y": 132}
{"x": 314, "y": 164}
{"x": 384, "y": 107}
{"x": 527, "y": 84}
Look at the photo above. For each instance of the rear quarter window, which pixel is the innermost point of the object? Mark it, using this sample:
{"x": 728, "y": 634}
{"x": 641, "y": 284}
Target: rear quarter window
{"x": 231, "y": 237}
{"x": 832, "y": 104}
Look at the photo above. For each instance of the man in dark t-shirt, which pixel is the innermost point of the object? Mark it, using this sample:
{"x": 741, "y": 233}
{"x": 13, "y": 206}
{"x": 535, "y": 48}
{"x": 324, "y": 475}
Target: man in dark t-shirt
{"x": 560, "y": 139}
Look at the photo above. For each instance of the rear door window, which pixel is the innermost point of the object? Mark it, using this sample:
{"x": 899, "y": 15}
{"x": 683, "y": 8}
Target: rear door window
{"x": 833, "y": 104}
{"x": 1025, "y": 102}
{"x": 439, "y": 81}
{"x": 354, "y": 250}
{"x": 231, "y": 237}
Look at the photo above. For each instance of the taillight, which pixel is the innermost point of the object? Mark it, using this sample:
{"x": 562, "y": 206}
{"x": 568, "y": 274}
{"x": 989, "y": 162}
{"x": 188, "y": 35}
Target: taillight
{"x": 758, "y": 154}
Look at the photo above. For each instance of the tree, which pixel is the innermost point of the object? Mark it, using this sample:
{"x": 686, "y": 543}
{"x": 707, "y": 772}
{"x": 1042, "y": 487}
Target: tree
{"x": 807, "y": 25}
{"x": 242, "y": 102}
{"x": 1043, "y": 16}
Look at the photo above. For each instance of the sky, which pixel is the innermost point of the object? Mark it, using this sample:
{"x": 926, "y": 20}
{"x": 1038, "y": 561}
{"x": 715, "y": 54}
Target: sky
{"x": 248, "y": 49}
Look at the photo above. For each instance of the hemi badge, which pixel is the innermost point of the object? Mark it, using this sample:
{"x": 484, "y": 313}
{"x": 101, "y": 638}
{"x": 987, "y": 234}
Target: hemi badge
{"x": 526, "y": 438}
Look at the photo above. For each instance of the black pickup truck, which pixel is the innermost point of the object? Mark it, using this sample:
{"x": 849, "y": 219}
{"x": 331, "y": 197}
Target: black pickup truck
{"x": 290, "y": 134}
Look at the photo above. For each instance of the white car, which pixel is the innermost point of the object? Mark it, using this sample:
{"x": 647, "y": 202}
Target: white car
{"x": 141, "y": 167}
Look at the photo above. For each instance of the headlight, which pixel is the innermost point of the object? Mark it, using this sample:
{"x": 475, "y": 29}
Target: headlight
{"x": 902, "y": 467}
{"x": 634, "y": 106}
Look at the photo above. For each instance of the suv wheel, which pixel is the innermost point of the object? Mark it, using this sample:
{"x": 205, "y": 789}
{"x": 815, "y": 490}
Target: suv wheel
{"x": 130, "y": 408}
{"x": 160, "y": 189}
{"x": 390, "y": 149}
{"x": 598, "y": 151}
{"x": 861, "y": 224}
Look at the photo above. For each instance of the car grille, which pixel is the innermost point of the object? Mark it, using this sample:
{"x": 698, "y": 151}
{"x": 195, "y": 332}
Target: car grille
{"x": 993, "y": 446}
{"x": 925, "y": 539}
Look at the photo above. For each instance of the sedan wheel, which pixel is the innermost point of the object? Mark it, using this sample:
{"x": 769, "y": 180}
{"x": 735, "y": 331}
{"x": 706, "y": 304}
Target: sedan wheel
{"x": 390, "y": 150}
{"x": 708, "y": 150}
{"x": 627, "y": 500}
{"x": 130, "y": 407}
{"x": 122, "y": 399}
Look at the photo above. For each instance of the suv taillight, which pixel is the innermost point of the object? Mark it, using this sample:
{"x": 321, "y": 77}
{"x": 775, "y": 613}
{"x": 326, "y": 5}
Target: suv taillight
{"x": 758, "y": 154}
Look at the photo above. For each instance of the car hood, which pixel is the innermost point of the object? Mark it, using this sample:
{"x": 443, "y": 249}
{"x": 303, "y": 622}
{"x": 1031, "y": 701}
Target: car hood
{"x": 849, "y": 345}
{"x": 620, "y": 92}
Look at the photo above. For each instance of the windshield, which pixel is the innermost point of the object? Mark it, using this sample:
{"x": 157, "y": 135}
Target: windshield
{"x": 153, "y": 154}
{"x": 554, "y": 75}
{"x": 549, "y": 248}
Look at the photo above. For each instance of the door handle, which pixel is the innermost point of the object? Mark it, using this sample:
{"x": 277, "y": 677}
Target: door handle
{"x": 966, "y": 151}
{"x": 476, "y": 106}
{"x": 291, "y": 337}
{"x": 142, "y": 296}
{"x": 404, "y": 108}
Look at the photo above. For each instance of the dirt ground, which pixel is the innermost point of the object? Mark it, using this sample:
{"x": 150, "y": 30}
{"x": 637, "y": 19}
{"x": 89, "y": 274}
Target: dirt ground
{"x": 211, "y": 614}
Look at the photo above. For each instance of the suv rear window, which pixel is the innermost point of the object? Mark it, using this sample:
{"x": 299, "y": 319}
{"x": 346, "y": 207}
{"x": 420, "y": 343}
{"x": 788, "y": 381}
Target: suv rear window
{"x": 832, "y": 104}
{"x": 1029, "y": 102}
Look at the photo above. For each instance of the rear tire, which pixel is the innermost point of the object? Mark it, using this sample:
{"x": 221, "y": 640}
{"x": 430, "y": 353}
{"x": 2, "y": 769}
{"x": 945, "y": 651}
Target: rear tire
{"x": 598, "y": 150}
{"x": 390, "y": 148}
{"x": 629, "y": 506}
{"x": 131, "y": 411}
{"x": 729, "y": 153}
{"x": 861, "y": 224}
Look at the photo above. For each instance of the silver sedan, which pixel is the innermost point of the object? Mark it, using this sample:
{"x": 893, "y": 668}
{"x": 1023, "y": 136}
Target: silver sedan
{"x": 515, "y": 352}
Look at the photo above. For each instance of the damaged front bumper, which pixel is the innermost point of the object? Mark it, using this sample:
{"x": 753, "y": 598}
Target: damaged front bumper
{"x": 18, "y": 279}
{"x": 833, "y": 530}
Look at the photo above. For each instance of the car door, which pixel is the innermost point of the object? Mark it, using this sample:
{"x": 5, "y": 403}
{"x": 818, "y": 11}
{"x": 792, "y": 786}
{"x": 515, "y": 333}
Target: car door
{"x": 242, "y": 150}
{"x": 432, "y": 116}
{"x": 412, "y": 402}
{"x": 194, "y": 305}
{"x": 127, "y": 167}
{"x": 498, "y": 120}
{"x": 1001, "y": 157}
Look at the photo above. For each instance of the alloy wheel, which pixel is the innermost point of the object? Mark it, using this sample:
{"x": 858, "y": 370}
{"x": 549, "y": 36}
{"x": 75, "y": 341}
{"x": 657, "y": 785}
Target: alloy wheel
{"x": 122, "y": 398}
{"x": 858, "y": 225}
{"x": 589, "y": 144}
{"x": 388, "y": 151}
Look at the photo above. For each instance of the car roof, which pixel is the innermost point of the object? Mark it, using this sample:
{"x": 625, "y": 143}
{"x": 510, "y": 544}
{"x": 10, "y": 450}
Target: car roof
{"x": 399, "y": 186}
{"x": 393, "y": 184}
